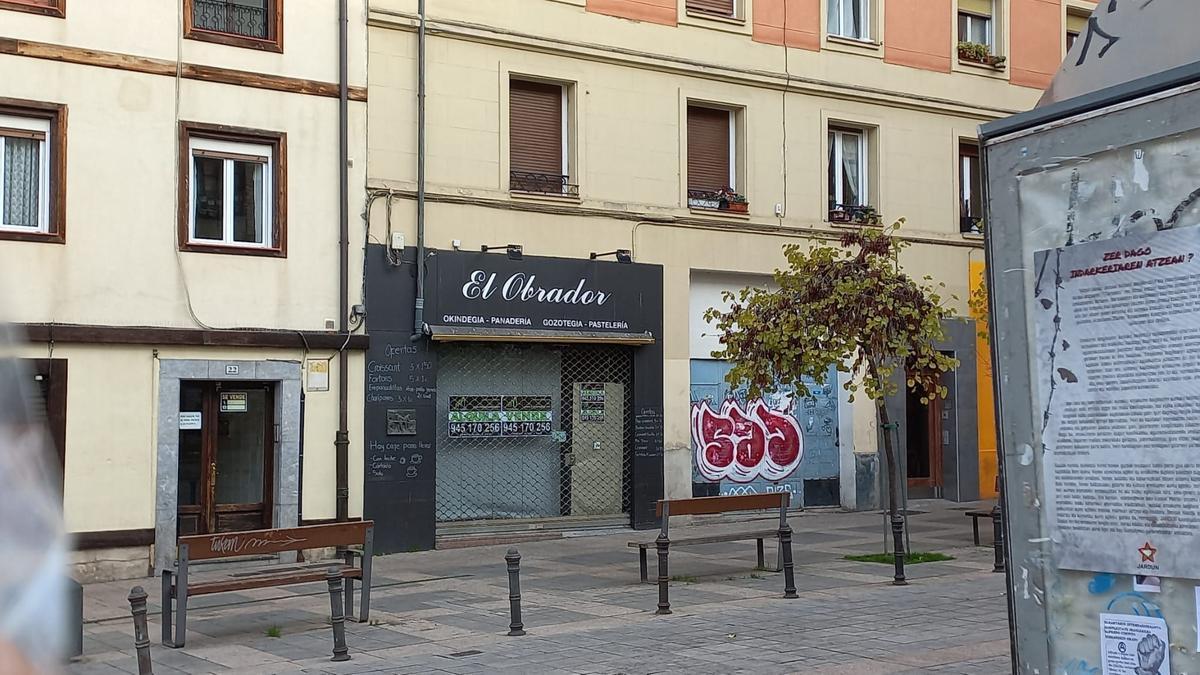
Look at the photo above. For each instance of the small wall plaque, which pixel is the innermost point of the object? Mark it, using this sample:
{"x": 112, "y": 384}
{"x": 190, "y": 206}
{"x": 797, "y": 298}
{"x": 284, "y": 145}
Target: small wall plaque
{"x": 401, "y": 422}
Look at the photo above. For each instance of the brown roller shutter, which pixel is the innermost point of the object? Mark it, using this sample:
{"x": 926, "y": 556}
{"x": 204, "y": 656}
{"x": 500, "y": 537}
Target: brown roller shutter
{"x": 722, "y": 7}
{"x": 708, "y": 148}
{"x": 535, "y": 127}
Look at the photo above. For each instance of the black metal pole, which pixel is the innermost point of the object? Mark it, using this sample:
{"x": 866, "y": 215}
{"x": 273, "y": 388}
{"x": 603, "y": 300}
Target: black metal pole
{"x": 789, "y": 574}
{"x": 664, "y": 601}
{"x": 515, "y": 626}
{"x": 998, "y": 538}
{"x": 141, "y": 636}
{"x": 898, "y": 546}
{"x": 338, "y": 618}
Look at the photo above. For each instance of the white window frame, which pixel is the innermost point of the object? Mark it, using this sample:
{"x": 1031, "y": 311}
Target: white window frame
{"x": 733, "y": 152}
{"x": 964, "y": 190}
{"x": 864, "y": 8}
{"x": 566, "y": 135}
{"x": 836, "y": 134}
{"x": 989, "y": 39}
{"x": 237, "y": 149}
{"x": 37, "y": 126}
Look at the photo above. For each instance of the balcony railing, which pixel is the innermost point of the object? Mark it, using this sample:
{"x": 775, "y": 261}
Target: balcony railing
{"x": 543, "y": 183}
{"x": 724, "y": 199}
{"x": 230, "y": 17}
{"x": 854, "y": 213}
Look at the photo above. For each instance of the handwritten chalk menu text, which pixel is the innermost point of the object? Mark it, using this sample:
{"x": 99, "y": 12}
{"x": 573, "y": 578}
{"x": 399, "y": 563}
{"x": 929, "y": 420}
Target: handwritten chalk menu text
{"x": 648, "y": 432}
{"x": 500, "y": 416}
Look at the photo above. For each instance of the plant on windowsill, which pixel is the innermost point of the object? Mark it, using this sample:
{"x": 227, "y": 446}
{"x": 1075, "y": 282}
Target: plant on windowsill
{"x": 854, "y": 215}
{"x": 724, "y": 199}
{"x": 736, "y": 203}
{"x": 970, "y": 225}
{"x": 975, "y": 52}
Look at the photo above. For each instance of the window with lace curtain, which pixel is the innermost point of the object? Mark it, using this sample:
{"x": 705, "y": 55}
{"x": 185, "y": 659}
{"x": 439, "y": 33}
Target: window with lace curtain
{"x": 30, "y": 171}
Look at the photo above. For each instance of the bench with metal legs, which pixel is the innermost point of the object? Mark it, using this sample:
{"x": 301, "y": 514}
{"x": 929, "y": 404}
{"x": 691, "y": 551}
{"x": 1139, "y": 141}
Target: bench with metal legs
{"x": 178, "y": 584}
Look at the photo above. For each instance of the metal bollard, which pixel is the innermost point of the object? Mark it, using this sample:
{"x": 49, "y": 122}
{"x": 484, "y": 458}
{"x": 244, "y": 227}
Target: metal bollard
{"x": 515, "y": 625}
{"x": 789, "y": 573}
{"x": 337, "y": 616}
{"x": 141, "y": 635}
{"x": 898, "y": 549}
{"x": 663, "y": 544}
{"x": 998, "y": 539}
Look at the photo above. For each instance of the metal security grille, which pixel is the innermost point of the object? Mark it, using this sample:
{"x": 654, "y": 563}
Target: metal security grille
{"x": 533, "y": 431}
{"x": 238, "y": 17}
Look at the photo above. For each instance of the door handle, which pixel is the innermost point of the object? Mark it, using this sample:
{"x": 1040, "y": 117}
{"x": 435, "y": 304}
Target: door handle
{"x": 212, "y": 481}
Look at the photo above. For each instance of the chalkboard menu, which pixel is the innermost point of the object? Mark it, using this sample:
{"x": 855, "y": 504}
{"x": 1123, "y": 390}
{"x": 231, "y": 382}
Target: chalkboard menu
{"x": 401, "y": 382}
{"x": 500, "y": 416}
{"x": 648, "y": 432}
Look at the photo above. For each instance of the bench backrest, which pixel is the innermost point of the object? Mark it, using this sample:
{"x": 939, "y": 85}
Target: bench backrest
{"x": 697, "y": 506}
{"x": 266, "y": 542}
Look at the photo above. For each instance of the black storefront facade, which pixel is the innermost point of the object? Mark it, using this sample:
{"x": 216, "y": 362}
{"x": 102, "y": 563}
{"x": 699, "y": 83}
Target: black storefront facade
{"x": 534, "y": 392}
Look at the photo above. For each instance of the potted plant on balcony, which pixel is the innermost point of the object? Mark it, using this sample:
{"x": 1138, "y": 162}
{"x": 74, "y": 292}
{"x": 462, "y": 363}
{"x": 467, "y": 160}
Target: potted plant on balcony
{"x": 839, "y": 214}
{"x": 864, "y": 215}
{"x": 975, "y": 52}
{"x": 734, "y": 202}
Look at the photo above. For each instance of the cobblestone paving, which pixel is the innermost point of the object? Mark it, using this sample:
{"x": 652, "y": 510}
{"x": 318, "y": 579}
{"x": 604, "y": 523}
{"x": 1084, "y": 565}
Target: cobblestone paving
{"x": 446, "y": 611}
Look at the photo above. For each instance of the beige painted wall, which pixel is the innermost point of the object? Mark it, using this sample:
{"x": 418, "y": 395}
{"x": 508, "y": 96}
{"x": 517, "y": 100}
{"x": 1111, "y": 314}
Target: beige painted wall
{"x": 120, "y": 265}
{"x": 630, "y": 133}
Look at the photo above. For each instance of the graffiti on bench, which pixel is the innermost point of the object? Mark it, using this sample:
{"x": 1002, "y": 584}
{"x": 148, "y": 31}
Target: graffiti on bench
{"x": 240, "y": 544}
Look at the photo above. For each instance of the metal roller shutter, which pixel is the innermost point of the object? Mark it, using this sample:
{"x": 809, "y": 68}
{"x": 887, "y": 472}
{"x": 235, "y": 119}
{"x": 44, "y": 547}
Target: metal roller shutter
{"x": 722, "y": 7}
{"x": 536, "y": 127}
{"x": 708, "y": 148}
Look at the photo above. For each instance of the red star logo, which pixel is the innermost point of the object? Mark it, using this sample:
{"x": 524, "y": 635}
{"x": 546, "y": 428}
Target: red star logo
{"x": 1147, "y": 552}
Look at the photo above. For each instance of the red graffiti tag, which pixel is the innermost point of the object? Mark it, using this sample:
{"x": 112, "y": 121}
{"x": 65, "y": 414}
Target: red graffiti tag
{"x": 743, "y": 444}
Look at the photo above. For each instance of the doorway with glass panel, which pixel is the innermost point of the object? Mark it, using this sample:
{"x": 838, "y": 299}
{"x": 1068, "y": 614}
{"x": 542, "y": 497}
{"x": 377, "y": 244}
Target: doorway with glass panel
{"x": 226, "y": 456}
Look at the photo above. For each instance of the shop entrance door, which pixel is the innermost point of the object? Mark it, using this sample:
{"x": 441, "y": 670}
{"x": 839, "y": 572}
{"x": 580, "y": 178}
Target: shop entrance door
{"x": 226, "y": 456}
{"x": 597, "y": 452}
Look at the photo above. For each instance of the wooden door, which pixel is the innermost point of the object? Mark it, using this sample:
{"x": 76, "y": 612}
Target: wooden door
{"x": 226, "y": 457}
{"x": 923, "y": 436}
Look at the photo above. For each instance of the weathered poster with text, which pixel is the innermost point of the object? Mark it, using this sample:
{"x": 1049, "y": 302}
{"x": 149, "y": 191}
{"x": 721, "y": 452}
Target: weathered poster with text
{"x": 1118, "y": 349}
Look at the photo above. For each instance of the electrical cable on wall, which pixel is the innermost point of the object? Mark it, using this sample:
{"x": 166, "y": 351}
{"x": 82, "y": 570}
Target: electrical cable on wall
{"x": 187, "y": 294}
{"x": 787, "y": 87}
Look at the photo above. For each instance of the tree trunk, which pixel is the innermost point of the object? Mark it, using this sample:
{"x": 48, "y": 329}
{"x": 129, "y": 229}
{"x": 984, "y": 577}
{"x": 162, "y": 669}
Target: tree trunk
{"x": 894, "y": 478}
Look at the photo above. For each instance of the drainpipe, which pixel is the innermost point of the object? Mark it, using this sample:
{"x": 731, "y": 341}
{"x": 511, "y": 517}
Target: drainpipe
{"x": 341, "y": 443}
{"x": 419, "y": 304}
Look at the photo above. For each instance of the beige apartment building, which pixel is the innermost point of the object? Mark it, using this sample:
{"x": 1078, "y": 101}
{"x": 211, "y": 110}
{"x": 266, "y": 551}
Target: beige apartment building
{"x": 657, "y": 153}
{"x": 169, "y": 241}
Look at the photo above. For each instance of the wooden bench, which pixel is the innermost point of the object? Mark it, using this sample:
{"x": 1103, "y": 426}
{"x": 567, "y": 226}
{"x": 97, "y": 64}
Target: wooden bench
{"x": 712, "y": 505}
{"x": 177, "y": 585}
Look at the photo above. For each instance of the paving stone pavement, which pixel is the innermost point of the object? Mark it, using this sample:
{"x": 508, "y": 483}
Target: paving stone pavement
{"x": 446, "y": 611}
